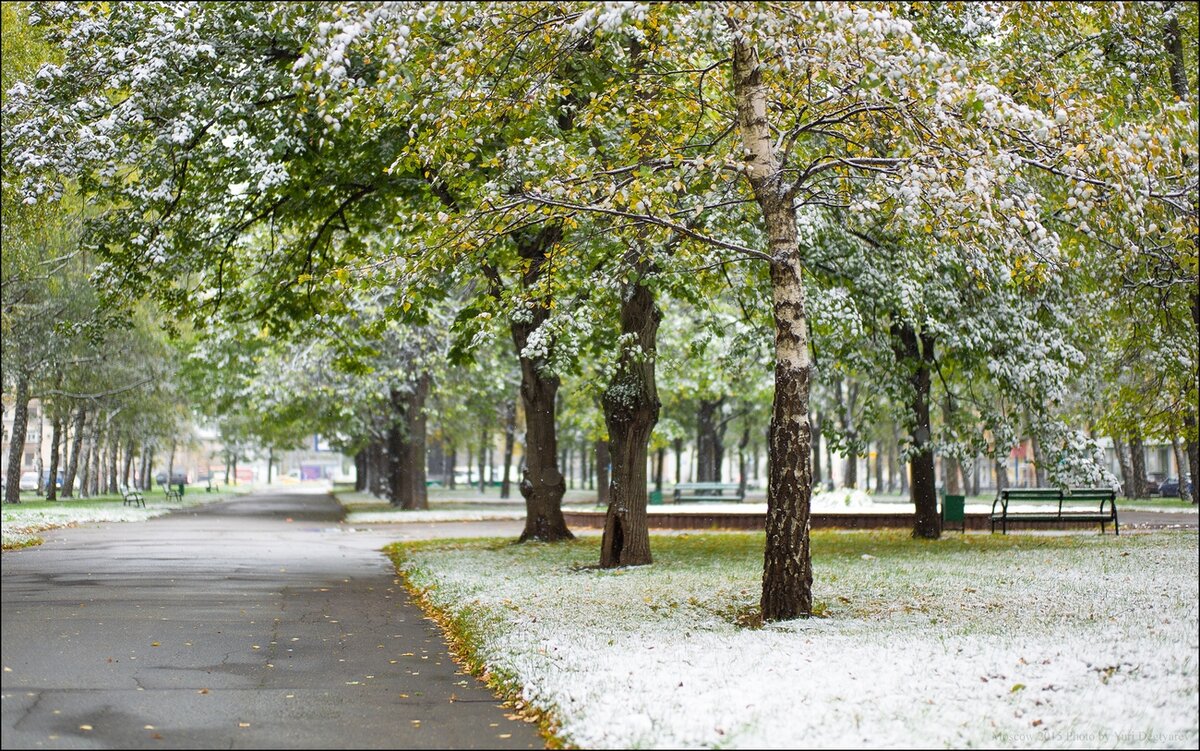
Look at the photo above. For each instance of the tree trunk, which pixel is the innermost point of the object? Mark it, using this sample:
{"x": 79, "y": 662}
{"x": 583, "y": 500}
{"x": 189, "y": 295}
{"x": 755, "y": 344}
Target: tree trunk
{"x": 915, "y": 354}
{"x": 398, "y": 452}
{"x": 846, "y": 406}
{"x": 1137, "y": 461}
{"x": 416, "y": 429}
{"x": 510, "y": 437}
{"x": 16, "y": 447}
{"x": 56, "y": 429}
{"x": 114, "y": 444}
{"x": 270, "y": 462}
{"x": 1039, "y": 458}
{"x": 1193, "y": 454}
{"x": 171, "y": 465}
{"x": 38, "y": 463}
{"x": 602, "y": 463}
{"x": 950, "y": 464}
{"x": 708, "y": 440}
{"x": 542, "y": 483}
{"x": 631, "y": 408}
{"x": 659, "y": 459}
{"x": 451, "y": 469}
{"x": 1180, "y": 465}
{"x": 878, "y": 466}
{"x": 127, "y": 470}
{"x": 483, "y": 454}
{"x": 76, "y": 446}
{"x": 816, "y": 450}
{"x": 1001, "y": 468}
{"x": 147, "y": 464}
{"x": 743, "y": 443}
{"x": 1123, "y": 464}
{"x": 677, "y": 447}
{"x": 891, "y": 455}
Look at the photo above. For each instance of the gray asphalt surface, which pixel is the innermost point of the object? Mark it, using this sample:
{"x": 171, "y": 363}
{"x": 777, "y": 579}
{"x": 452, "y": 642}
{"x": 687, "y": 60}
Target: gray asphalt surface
{"x": 253, "y": 623}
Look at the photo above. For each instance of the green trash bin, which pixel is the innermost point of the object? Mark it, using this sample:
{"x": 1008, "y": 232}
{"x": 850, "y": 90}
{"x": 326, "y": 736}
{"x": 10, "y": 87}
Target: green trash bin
{"x": 954, "y": 510}
{"x": 656, "y": 498}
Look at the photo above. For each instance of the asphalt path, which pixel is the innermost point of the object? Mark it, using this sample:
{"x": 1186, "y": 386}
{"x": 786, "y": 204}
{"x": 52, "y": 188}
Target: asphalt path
{"x": 259, "y": 622}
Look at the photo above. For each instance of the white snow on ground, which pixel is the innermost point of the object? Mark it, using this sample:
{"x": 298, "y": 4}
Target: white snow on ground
{"x": 398, "y": 516}
{"x": 1080, "y": 641}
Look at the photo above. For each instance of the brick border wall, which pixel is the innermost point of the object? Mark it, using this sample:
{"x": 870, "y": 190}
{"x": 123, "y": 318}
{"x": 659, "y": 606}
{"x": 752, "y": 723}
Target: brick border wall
{"x": 756, "y": 522}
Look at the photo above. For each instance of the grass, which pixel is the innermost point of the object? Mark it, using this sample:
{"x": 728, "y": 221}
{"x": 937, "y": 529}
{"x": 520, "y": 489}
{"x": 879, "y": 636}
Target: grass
{"x": 971, "y": 640}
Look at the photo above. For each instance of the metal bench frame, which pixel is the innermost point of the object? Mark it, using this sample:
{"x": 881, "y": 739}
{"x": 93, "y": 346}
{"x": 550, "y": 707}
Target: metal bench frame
{"x": 1059, "y": 512}
{"x": 708, "y": 491}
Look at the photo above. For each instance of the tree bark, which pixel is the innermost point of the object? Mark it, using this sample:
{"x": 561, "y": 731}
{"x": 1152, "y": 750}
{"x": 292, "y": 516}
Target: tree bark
{"x": 542, "y": 483}
{"x": 602, "y": 463}
{"x": 76, "y": 446}
{"x": 659, "y": 459}
{"x": 510, "y": 437}
{"x": 846, "y": 406}
{"x": 399, "y": 485}
{"x": 915, "y": 354}
{"x": 417, "y": 428}
{"x": 892, "y": 451}
{"x": 56, "y": 427}
{"x": 816, "y": 449}
{"x": 1137, "y": 462}
{"x": 1180, "y": 465}
{"x": 787, "y": 561}
{"x": 708, "y": 440}
{"x": 482, "y": 457}
{"x": 127, "y": 470}
{"x": 677, "y": 447}
{"x": 878, "y": 466}
{"x": 950, "y": 464}
{"x": 1123, "y": 465}
{"x": 631, "y": 408}
{"x": 16, "y": 446}
{"x": 38, "y": 463}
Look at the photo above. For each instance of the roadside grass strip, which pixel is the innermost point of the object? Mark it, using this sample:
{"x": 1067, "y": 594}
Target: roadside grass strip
{"x": 1025, "y": 640}
{"x": 20, "y": 523}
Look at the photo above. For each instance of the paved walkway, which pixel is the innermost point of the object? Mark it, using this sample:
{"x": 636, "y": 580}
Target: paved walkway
{"x": 253, "y": 623}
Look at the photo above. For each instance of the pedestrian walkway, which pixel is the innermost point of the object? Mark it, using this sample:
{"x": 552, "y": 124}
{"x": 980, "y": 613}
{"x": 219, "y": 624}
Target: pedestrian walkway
{"x": 254, "y": 623}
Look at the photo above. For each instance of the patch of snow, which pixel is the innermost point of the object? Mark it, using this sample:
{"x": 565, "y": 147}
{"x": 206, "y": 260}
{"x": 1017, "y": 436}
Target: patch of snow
{"x": 1081, "y": 642}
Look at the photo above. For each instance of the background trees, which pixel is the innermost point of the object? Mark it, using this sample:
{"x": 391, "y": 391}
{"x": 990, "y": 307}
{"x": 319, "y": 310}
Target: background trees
{"x": 953, "y": 218}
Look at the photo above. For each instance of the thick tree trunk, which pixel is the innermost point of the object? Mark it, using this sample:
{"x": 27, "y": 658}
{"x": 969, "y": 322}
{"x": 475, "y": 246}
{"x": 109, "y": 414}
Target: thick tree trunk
{"x": 1001, "y": 468}
{"x": 360, "y": 470}
{"x": 708, "y": 440}
{"x": 1137, "y": 462}
{"x": 542, "y": 483}
{"x": 416, "y": 429}
{"x": 677, "y": 447}
{"x": 743, "y": 443}
{"x": 16, "y": 446}
{"x": 451, "y": 469}
{"x": 602, "y": 463}
{"x": 56, "y": 428}
{"x": 1039, "y": 457}
{"x": 631, "y": 408}
{"x": 399, "y": 484}
{"x": 510, "y": 437}
{"x": 915, "y": 353}
{"x": 171, "y": 464}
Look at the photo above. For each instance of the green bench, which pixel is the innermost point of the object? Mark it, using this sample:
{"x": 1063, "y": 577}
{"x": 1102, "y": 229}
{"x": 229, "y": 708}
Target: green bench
{"x": 172, "y": 493}
{"x": 709, "y": 491}
{"x": 132, "y": 495}
{"x": 1053, "y": 506}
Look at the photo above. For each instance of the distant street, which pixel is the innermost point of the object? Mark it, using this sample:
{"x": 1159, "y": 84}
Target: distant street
{"x": 253, "y": 623}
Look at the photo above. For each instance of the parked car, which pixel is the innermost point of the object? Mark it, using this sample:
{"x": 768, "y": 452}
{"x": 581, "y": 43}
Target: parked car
{"x": 46, "y": 480}
{"x": 1170, "y": 487}
{"x": 29, "y": 481}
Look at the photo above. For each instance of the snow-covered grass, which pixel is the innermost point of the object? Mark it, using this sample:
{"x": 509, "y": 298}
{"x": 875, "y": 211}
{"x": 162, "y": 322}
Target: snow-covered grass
{"x": 21, "y": 523}
{"x": 444, "y": 506}
{"x": 1076, "y": 640}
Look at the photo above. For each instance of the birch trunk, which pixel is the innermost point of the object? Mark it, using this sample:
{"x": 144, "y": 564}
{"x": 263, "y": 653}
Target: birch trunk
{"x": 787, "y": 561}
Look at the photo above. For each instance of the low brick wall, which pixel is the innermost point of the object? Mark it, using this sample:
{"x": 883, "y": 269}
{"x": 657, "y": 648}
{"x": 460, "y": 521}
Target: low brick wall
{"x": 752, "y": 521}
